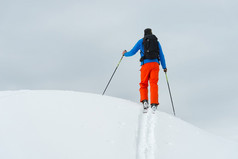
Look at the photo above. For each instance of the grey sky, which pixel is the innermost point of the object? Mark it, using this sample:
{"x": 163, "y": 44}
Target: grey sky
{"x": 76, "y": 45}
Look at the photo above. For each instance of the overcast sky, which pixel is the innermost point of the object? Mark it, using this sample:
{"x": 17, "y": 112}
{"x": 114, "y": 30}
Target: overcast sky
{"x": 76, "y": 45}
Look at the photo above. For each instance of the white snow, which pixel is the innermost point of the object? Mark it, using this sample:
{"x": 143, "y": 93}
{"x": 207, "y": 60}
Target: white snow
{"x": 73, "y": 125}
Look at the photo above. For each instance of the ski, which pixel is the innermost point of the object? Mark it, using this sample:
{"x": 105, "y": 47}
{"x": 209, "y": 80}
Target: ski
{"x": 145, "y": 110}
{"x": 153, "y": 109}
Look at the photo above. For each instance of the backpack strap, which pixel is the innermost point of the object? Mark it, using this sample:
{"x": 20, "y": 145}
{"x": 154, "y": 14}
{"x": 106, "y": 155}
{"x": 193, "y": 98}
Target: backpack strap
{"x": 142, "y": 58}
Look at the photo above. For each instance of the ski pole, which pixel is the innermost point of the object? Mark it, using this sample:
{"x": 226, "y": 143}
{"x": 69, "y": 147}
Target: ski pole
{"x": 112, "y": 75}
{"x": 170, "y": 93}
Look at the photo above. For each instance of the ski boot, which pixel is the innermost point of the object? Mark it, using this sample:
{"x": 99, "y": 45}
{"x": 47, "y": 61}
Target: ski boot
{"x": 154, "y": 107}
{"x": 145, "y": 106}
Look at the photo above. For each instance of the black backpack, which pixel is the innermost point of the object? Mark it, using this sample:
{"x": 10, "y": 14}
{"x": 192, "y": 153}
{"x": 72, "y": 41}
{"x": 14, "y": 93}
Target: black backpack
{"x": 151, "y": 48}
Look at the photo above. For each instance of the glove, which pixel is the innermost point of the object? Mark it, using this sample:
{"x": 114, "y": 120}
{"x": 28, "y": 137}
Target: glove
{"x": 124, "y": 52}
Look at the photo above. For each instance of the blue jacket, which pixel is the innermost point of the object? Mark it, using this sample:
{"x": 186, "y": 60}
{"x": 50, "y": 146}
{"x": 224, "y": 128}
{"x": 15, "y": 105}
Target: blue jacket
{"x": 139, "y": 46}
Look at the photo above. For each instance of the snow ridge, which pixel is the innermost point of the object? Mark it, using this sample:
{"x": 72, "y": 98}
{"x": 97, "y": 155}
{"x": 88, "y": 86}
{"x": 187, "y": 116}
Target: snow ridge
{"x": 146, "y": 136}
{"x": 64, "y": 124}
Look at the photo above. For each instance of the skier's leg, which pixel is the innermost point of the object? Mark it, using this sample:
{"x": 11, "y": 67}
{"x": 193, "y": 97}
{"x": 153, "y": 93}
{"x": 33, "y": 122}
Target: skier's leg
{"x": 154, "y": 78}
{"x": 144, "y": 83}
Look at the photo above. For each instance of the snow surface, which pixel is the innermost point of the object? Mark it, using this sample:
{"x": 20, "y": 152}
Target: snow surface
{"x": 74, "y": 125}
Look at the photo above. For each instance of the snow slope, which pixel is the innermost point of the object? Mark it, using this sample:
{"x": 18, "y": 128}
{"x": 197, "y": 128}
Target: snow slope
{"x": 70, "y": 125}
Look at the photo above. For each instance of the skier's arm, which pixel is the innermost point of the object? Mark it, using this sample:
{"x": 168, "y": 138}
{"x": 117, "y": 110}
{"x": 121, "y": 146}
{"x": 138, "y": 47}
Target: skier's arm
{"x": 162, "y": 59}
{"x": 134, "y": 50}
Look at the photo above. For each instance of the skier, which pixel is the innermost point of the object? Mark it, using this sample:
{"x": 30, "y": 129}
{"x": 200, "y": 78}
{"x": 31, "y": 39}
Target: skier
{"x": 151, "y": 57}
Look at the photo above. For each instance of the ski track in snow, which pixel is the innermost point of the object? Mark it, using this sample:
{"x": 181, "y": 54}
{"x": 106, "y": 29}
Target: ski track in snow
{"x": 146, "y": 136}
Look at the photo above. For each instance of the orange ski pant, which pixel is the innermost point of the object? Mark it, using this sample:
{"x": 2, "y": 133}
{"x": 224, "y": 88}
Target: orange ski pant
{"x": 149, "y": 73}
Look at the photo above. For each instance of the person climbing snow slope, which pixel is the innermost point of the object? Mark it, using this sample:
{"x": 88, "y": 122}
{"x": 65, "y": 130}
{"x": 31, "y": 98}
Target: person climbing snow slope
{"x": 151, "y": 58}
